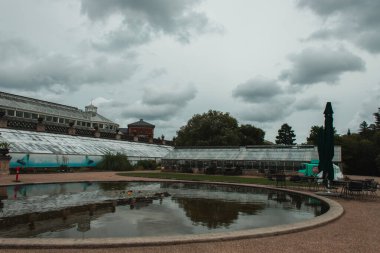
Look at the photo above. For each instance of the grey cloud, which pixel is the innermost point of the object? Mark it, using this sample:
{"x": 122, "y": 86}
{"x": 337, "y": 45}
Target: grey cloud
{"x": 314, "y": 65}
{"x": 308, "y": 103}
{"x": 155, "y": 73}
{"x": 138, "y": 110}
{"x": 272, "y": 111}
{"x": 123, "y": 38}
{"x": 355, "y": 21}
{"x": 366, "y": 109}
{"x": 279, "y": 108}
{"x": 169, "y": 95}
{"x": 257, "y": 90}
{"x": 11, "y": 49}
{"x": 26, "y": 70}
{"x": 161, "y": 102}
{"x": 144, "y": 19}
{"x": 369, "y": 40}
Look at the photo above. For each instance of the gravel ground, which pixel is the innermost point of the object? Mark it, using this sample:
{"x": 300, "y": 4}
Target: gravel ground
{"x": 356, "y": 231}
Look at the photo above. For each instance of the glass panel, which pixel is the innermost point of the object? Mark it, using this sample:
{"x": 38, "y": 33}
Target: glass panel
{"x": 55, "y": 119}
{"x": 34, "y": 116}
{"x": 10, "y": 113}
{"x": 19, "y": 114}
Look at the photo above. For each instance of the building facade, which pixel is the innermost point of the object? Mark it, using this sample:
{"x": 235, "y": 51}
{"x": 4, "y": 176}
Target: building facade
{"x": 141, "y": 129}
{"x": 25, "y": 109}
{"x": 248, "y": 159}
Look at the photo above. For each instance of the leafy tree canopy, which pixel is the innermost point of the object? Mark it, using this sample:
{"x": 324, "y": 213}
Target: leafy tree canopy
{"x": 216, "y": 128}
{"x": 250, "y": 135}
{"x": 361, "y": 151}
{"x": 285, "y": 135}
{"x": 313, "y": 136}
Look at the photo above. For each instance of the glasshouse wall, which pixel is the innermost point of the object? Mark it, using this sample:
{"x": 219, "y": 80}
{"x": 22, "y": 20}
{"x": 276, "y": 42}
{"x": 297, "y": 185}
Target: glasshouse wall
{"x": 23, "y": 160}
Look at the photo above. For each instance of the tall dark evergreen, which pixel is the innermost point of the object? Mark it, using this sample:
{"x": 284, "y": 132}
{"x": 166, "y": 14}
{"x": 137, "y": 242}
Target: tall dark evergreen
{"x": 285, "y": 135}
{"x": 363, "y": 127}
{"x": 377, "y": 119}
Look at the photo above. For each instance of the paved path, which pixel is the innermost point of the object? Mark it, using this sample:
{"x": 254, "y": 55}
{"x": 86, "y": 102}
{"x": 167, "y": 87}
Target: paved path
{"x": 358, "y": 230}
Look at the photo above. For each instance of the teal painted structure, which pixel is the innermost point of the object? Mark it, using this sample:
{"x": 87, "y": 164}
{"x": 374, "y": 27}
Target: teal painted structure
{"x": 52, "y": 161}
{"x": 310, "y": 169}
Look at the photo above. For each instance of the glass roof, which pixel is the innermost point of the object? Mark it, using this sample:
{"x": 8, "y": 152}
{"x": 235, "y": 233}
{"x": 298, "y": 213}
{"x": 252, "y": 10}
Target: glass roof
{"x": 43, "y": 107}
{"x": 46, "y": 143}
{"x": 250, "y": 154}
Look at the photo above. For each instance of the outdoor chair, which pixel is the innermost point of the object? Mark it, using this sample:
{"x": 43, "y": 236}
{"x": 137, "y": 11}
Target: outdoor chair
{"x": 333, "y": 186}
{"x": 373, "y": 189}
{"x": 355, "y": 188}
{"x": 367, "y": 185}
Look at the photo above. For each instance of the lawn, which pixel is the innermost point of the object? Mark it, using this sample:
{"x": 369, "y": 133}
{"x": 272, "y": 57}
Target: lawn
{"x": 200, "y": 177}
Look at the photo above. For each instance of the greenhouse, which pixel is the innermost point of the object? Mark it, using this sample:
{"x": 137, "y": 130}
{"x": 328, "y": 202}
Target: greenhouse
{"x": 36, "y": 149}
{"x": 250, "y": 158}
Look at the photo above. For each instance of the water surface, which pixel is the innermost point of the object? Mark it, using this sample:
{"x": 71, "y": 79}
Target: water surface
{"x": 135, "y": 209}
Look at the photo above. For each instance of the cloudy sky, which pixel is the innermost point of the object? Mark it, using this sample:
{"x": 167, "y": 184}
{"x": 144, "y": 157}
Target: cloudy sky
{"x": 264, "y": 62}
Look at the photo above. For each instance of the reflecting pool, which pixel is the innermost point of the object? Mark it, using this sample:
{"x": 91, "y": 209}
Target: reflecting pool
{"x": 136, "y": 209}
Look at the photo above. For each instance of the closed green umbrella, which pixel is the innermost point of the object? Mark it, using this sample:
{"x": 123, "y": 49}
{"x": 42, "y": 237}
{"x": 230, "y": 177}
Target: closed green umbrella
{"x": 326, "y": 144}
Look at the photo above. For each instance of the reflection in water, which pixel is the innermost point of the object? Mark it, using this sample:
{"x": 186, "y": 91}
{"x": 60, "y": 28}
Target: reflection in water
{"x": 79, "y": 210}
{"x": 111, "y": 186}
{"x": 215, "y": 213}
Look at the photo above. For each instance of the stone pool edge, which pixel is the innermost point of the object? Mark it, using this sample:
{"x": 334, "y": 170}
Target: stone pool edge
{"x": 335, "y": 211}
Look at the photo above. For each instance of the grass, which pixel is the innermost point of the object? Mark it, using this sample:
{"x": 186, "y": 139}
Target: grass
{"x": 200, "y": 177}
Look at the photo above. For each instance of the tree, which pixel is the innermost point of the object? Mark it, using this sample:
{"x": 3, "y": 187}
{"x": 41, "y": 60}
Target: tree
{"x": 361, "y": 152}
{"x": 363, "y": 127}
{"x": 216, "y": 128}
{"x": 213, "y": 128}
{"x": 313, "y": 136}
{"x": 377, "y": 119}
{"x": 250, "y": 135}
{"x": 285, "y": 135}
{"x": 114, "y": 162}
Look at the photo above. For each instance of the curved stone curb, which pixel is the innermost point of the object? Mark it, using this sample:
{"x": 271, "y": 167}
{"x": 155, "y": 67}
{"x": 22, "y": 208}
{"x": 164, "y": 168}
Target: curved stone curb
{"x": 335, "y": 211}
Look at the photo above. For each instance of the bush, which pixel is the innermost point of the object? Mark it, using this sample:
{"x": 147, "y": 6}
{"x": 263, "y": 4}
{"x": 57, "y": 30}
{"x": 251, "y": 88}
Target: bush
{"x": 114, "y": 162}
{"x": 146, "y": 165}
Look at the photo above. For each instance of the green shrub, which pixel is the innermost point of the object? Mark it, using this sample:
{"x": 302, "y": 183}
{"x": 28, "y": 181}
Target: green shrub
{"x": 146, "y": 165}
{"x": 114, "y": 162}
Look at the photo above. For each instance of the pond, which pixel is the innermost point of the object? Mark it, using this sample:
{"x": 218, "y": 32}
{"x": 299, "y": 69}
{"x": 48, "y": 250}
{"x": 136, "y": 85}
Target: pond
{"x": 138, "y": 209}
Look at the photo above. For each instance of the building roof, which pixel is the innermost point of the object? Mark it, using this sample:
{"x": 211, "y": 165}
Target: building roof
{"x": 255, "y": 153}
{"x": 100, "y": 118}
{"x": 141, "y": 123}
{"x": 33, "y": 105}
{"x": 58, "y": 144}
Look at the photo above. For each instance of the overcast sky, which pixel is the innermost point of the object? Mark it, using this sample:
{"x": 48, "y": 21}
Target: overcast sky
{"x": 265, "y": 62}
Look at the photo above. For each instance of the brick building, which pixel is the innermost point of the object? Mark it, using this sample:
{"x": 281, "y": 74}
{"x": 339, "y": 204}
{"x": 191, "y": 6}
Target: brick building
{"x": 141, "y": 129}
